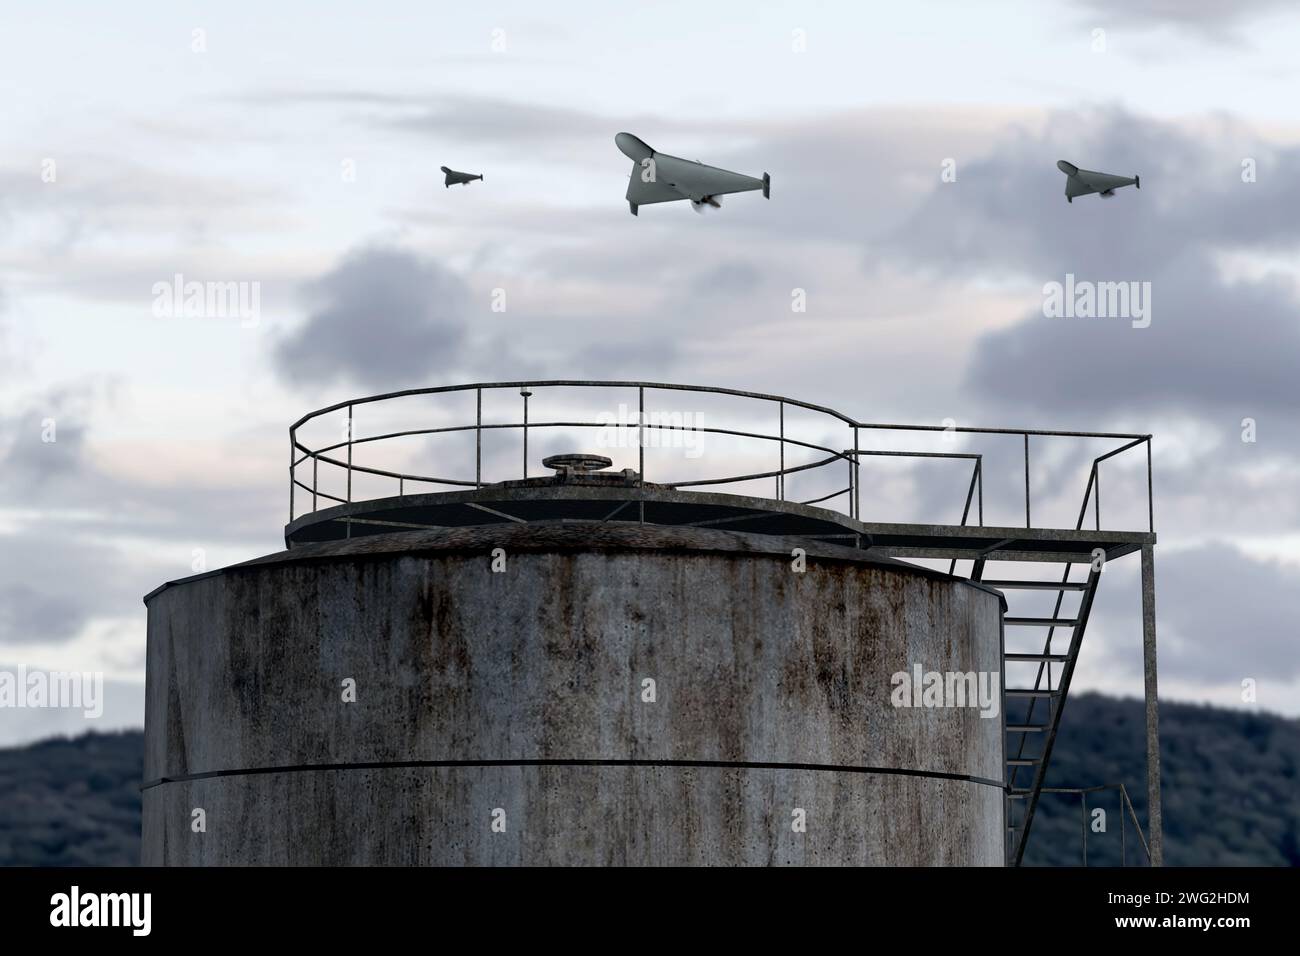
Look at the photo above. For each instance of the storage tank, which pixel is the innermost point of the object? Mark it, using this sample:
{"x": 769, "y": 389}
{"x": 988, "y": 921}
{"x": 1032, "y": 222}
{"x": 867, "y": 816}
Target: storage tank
{"x": 538, "y": 685}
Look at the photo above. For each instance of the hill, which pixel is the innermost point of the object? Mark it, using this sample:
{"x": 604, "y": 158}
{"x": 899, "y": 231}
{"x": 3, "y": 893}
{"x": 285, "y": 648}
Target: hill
{"x": 72, "y": 802}
{"x": 1230, "y": 788}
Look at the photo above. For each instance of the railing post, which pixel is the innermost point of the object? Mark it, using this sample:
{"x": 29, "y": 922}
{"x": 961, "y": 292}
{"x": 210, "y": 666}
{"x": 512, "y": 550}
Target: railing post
{"x": 1151, "y": 508}
{"x": 478, "y": 440}
{"x": 979, "y": 468}
{"x": 850, "y": 464}
{"x": 1027, "y": 522}
{"x": 640, "y": 462}
{"x": 1123, "y": 835}
{"x": 857, "y": 476}
{"x": 314, "y": 462}
{"x": 1096, "y": 491}
{"x": 1083, "y": 820}
{"x": 525, "y": 393}
{"x": 780, "y": 478}
{"x": 291, "y": 476}
{"x": 348, "y": 521}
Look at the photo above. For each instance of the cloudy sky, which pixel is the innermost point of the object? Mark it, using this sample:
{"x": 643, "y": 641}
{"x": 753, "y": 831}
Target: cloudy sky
{"x": 296, "y": 146}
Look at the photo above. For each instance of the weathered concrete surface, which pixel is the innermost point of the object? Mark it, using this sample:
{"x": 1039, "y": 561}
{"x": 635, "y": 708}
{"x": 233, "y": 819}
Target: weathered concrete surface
{"x": 579, "y": 816}
{"x": 751, "y": 662}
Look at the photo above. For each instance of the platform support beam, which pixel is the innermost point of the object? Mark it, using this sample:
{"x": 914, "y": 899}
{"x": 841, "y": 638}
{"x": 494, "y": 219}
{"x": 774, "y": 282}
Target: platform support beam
{"x": 1154, "y": 829}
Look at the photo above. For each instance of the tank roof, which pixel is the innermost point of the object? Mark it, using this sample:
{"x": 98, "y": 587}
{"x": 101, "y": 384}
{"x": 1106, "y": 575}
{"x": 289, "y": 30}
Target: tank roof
{"x": 564, "y": 537}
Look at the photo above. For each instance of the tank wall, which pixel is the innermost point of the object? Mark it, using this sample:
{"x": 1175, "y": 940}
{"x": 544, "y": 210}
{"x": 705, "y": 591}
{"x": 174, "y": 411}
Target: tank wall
{"x": 751, "y": 662}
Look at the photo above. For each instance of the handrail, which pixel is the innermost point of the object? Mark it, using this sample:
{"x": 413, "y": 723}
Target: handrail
{"x": 1126, "y": 803}
{"x": 300, "y": 453}
{"x": 587, "y": 383}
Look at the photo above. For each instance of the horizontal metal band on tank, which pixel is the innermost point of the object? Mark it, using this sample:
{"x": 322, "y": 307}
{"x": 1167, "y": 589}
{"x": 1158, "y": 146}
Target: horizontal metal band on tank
{"x": 578, "y": 762}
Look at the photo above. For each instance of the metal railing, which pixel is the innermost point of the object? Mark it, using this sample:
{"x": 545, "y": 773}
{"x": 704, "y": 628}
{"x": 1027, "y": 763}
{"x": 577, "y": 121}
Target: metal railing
{"x": 1126, "y": 813}
{"x": 783, "y": 446}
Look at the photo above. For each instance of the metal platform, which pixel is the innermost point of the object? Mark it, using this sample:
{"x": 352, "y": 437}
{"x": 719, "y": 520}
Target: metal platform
{"x": 1036, "y": 671}
{"x": 656, "y": 505}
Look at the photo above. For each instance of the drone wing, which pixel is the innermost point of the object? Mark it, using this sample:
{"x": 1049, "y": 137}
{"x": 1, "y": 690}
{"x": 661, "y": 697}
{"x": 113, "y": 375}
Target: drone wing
{"x": 697, "y": 181}
{"x": 1074, "y": 186}
{"x": 1100, "y": 182}
{"x": 641, "y": 193}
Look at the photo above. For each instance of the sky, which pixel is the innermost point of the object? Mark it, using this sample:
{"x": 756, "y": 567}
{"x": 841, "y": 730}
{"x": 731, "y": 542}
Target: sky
{"x": 296, "y": 148}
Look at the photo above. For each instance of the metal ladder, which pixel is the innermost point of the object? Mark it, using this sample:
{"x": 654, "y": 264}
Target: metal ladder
{"x": 1028, "y": 740}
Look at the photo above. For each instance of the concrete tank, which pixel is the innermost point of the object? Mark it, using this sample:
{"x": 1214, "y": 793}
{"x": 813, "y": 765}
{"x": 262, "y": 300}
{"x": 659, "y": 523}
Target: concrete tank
{"x": 502, "y": 717}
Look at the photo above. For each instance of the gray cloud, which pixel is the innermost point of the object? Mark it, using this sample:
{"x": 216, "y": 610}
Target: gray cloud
{"x": 1007, "y": 212}
{"x": 98, "y": 196}
{"x": 489, "y": 121}
{"x": 727, "y": 279}
{"x": 54, "y": 577}
{"x": 1212, "y": 342}
{"x": 1223, "y": 615}
{"x": 6, "y": 354}
{"x": 383, "y": 319}
{"x": 1211, "y": 19}
{"x": 1243, "y": 488}
{"x": 61, "y": 563}
{"x": 1210, "y": 345}
{"x": 480, "y": 119}
{"x": 54, "y": 584}
{"x": 29, "y": 459}
{"x": 639, "y": 359}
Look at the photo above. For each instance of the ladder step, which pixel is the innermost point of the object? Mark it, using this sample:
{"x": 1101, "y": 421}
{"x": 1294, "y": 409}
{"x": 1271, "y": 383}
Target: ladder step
{"x": 1038, "y": 585}
{"x": 1026, "y": 728}
{"x": 1040, "y": 621}
{"x": 1031, "y": 658}
{"x": 1022, "y": 761}
{"x": 1031, "y": 693}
